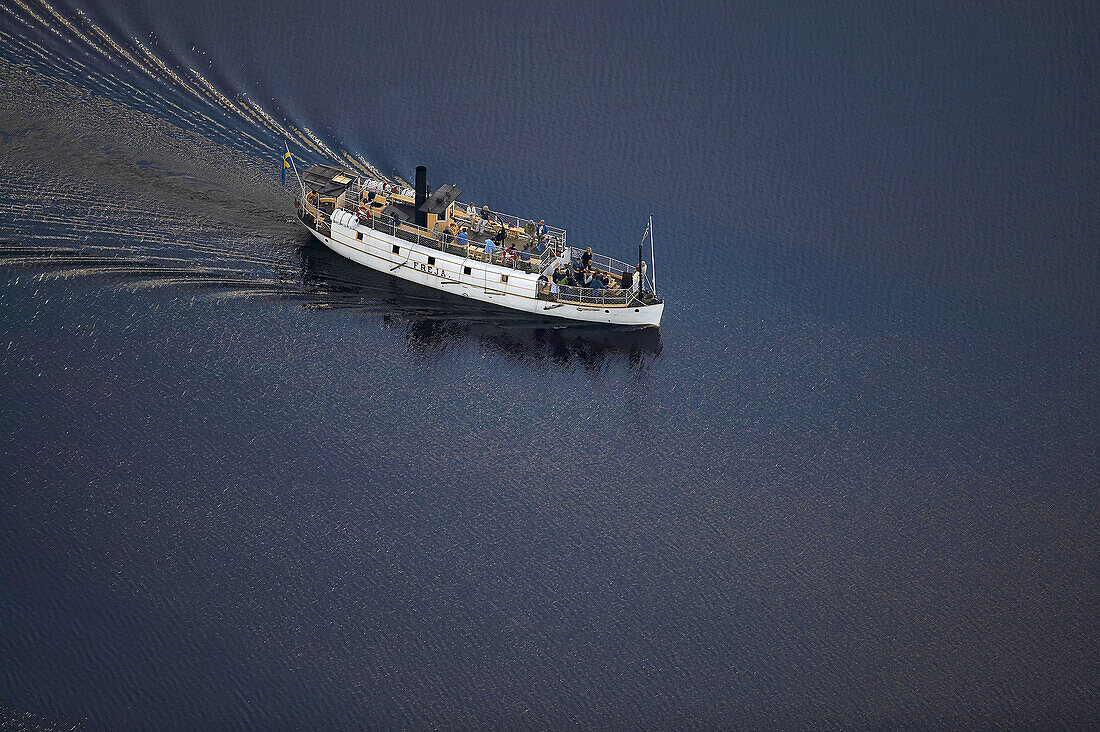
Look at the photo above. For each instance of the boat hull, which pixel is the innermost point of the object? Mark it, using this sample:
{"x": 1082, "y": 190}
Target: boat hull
{"x": 469, "y": 278}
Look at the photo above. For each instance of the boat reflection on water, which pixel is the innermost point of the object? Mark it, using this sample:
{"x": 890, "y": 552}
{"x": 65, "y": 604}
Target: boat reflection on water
{"x": 435, "y": 321}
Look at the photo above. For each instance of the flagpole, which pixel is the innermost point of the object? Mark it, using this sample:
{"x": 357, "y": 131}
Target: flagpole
{"x": 295, "y": 169}
{"x": 652, "y": 261}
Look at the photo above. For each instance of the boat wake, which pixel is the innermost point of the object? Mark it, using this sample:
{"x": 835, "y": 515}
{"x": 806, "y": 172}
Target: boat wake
{"x": 93, "y": 188}
{"x": 144, "y": 75}
{"x": 131, "y": 167}
{"x": 121, "y": 160}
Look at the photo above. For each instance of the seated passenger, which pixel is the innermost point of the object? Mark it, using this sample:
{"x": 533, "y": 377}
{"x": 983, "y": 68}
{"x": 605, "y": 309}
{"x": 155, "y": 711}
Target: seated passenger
{"x": 462, "y": 240}
{"x": 482, "y": 220}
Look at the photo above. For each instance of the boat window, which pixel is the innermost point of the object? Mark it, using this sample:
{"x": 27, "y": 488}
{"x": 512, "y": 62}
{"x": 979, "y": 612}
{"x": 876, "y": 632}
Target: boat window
{"x": 465, "y": 270}
{"x": 396, "y": 249}
{"x": 431, "y": 261}
{"x": 504, "y": 278}
{"x": 359, "y": 235}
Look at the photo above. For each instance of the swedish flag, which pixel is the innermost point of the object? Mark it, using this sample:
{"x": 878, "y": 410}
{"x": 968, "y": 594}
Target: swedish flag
{"x": 286, "y": 164}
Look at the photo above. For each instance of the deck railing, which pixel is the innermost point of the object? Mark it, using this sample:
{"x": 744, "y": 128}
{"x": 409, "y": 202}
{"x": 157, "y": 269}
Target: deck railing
{"x": 595, "y": 297}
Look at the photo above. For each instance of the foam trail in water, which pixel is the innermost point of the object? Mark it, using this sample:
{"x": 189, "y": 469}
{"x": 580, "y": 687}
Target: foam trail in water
{"x": 253, "y": 128}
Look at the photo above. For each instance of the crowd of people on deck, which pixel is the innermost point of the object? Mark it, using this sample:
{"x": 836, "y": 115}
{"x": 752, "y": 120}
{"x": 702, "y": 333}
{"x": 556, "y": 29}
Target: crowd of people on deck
{"x": 579, "y": 273}
{"x": 484, "y": 222}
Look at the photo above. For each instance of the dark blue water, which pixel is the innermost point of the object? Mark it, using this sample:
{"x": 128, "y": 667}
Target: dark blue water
{"x": 852, "y": 481}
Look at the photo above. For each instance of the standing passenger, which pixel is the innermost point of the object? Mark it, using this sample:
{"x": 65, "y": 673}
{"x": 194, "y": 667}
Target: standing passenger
{"x": 577, "y": 271}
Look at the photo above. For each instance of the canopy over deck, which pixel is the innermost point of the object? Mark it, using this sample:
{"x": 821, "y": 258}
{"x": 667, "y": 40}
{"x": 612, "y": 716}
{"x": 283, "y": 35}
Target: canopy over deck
{"x": 438, "y": 202}
{"x": 396, "y": 213}
{"x": 328, "y": 180}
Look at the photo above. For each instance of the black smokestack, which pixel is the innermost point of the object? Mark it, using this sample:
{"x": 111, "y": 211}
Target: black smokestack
{"x": 421, "y": 195}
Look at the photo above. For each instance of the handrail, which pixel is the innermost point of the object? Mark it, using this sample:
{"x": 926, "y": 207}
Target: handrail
{"x": 592, "y": 296}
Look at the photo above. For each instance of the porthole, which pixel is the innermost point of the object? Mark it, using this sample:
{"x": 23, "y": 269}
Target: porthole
{"x": 637, "y": 310}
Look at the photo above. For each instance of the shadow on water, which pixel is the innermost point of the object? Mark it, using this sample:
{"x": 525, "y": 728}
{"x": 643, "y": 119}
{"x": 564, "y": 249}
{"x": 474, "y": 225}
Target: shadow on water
{"x": 435, "y": 321}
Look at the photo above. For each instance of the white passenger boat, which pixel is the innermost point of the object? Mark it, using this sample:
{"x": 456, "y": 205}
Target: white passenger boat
{"x": 427, "y": 237}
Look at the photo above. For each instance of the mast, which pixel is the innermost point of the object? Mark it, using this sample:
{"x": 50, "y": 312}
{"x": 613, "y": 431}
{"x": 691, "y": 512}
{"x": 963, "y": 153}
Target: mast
{"x": 652, "y": 262}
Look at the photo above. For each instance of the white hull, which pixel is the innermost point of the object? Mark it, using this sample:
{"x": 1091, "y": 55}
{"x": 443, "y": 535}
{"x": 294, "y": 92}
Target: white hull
{"x": 470, "y": 278}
